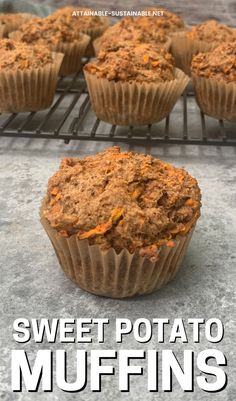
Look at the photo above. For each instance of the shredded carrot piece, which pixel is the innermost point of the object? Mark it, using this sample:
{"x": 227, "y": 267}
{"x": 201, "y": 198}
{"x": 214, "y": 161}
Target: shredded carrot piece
{"x": 54, "y": 191}
{"x": 104, "y": 227}
{"x": 156, "y": 63}
{"x": 146, "y": 58}
{"x": 170, "y": 243}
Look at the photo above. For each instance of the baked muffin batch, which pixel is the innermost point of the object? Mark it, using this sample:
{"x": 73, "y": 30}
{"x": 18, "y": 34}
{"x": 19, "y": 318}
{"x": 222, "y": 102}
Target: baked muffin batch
{"x": 120, "y": 222}
{"x": 133, "y": 69}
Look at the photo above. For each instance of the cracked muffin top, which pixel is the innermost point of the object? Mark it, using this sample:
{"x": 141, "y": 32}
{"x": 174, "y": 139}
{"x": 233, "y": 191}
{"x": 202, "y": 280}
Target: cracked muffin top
{"x": 219, "y": 64}
{"x": 168, "y": 22}
{"x": 82, "y": 18}
{"x": 212, "y": 31}
{"x": 129, "y": 30}
{"x": 133, "y": 62}
{"x": 48, "y": 31}
{"x": 21, "y": 56}
{"x": 122, "y": 200}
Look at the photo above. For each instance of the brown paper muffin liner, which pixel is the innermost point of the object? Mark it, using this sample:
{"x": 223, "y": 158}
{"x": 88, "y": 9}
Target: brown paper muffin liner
{"x": 124, "y": 103}
{"x": 2, "y": 27}
{"x": 215, "y": 98}
{"x": 115, "y": 275}
{"x": 73, "y": 53}
{"x": 183, "y": 49}
{"x": 29, "y": 90}
{"x": 95, "y": 33}
{"x": 97, "y": 47}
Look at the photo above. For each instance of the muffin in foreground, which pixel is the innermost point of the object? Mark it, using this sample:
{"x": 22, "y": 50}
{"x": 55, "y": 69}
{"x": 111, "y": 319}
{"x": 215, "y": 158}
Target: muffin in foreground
{"x": 129, "y": 31}
{"x": 28, "y": 76}
{"x": 120, "y": 222}
{"x": 204, "y": 37}
{"x": 57, "y": 34}
{"x": 81, "y": 19}
{"x": 134, "y": 85}
{"x": 214, "y": 80}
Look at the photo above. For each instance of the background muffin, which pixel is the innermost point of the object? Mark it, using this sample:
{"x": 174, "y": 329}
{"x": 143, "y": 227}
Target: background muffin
{"x": 120, "y": 222}
{"x": 201, "y": 38}
{"x": 12, "y": 21}
{"x": 134, "y": 84}
{"x": 214, "y": 80}
{"x": 168, "y": 22}
{"x": 94, "y": 26}
{"x": 57, "y": 34}
{"x": 28, "y": 76}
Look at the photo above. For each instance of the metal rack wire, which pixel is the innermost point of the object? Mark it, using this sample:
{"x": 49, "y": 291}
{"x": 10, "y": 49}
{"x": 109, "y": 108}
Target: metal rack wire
{"x": 71, "y": 118}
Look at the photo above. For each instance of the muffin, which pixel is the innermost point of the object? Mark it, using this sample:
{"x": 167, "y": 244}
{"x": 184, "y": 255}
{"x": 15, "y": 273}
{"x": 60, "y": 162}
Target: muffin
{"x": 57, "y": 34}
{"x": 120, "y": 222}
{"x": 94, "y": 26}
{"x": 11, "y": 22}
{"x": 214, "y": 80}
{"x": 204, "y": 37}
{"x": 134, "y": 84}
{"x": 168, "y": 22}
{"x": 28, "y": 76}
{"x": 128, "y": 31}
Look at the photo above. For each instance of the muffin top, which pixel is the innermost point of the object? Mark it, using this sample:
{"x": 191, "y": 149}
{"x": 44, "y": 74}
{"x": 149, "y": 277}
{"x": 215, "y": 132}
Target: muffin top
{"x": 48, "y": 31}
{"x": 21, "y": 56}
{"x": 122, "y": 200}
{"x": 212, "y": 31}
{"x": 79, "y": 17}
{"x": 129, "y": 30}
{"x": 169, "y": 22}
{"x": 133, "y": 62}
{"x": 219, "y": 64}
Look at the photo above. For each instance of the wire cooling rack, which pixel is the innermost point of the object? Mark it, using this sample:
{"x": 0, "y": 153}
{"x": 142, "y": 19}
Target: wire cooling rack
{"x": 71, "y": 118}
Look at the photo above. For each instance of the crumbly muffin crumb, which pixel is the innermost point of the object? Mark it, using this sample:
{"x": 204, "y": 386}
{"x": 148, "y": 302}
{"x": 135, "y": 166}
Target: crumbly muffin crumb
{"x": 212, "y": 31}
{"x": 219, "y": 64}
{"x": 122, "y": 200}
{"x": 133, "y": 62}
{"x": 21, "y": 56}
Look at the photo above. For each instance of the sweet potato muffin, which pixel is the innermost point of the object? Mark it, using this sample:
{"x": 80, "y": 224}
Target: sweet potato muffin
{"x": 214, "y": 79}
{"x": 12, "y": 21}
{"x": 126, "y": 208}
{"x": 168, "y": 22}
{"x": 134, "y": 84}
{"x": 56, "y": 33}
{"x": 28, "y": 76}
{"x": 128, "y": 30}
{"x": 204, "y": 37}
{"x": 80, "y": 18}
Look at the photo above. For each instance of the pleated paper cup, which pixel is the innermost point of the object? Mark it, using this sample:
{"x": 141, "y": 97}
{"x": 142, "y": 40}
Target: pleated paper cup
{"x": 183, "y": 49}
{"x": 124, "y": 103}
{"x": 2, "y": 28}
{"x": 29, "y": 90}
{"x": 97, "y": 45}
{"x": 73, "y": 52}
{"x": 215, "y": 98}
{"x": 115, "y": 275}
{"x": 95, "y": 33}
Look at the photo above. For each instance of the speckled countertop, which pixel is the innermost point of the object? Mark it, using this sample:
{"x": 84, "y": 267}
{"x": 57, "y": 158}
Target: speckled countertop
{"x": 33, "y": 285}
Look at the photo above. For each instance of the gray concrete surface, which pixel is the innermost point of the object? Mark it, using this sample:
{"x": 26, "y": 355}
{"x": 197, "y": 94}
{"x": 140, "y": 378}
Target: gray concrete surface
{"x": 33, "y": 285}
